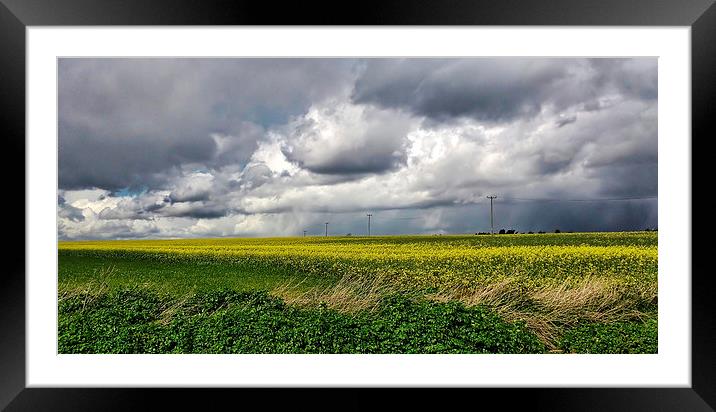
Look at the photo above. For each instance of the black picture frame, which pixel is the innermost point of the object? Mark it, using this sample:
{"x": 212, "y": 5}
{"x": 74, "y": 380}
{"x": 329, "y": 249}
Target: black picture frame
{"x": 16, "y": 15}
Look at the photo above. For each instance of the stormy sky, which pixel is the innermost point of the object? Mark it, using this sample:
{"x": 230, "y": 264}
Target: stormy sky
{"x": 272, "y": 147}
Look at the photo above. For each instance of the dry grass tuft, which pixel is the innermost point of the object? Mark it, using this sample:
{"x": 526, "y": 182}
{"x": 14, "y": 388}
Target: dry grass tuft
{"x": 545, "y": 309}
{"x": 92, "y": 290}
{"x": 352, "y": 293}
{"x": 168, "y": 312}
{"x": 548, "y": 308}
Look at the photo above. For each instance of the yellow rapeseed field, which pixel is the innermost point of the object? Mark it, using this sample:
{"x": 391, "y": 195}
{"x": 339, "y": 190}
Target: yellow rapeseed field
{"x": 425, "y": 261}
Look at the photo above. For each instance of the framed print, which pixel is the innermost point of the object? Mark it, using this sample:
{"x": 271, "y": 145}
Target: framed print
{"x": 406, "y": 196}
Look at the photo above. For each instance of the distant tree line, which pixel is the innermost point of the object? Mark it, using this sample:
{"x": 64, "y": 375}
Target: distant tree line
{"x": 512, "y": 232}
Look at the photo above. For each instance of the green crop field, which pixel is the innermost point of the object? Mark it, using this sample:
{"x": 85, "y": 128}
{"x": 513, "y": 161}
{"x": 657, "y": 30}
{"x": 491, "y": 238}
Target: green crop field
{"x": 524, "y": 293}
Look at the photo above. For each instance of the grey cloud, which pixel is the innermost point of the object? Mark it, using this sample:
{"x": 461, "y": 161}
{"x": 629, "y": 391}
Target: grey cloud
{"x": 451, "y": 218}
{"x": 565, "y": 120}
{"x": 192, "y": 196}
{"x": 549, "y": 163}
{"x": 139, "y": 207}
{"x": 635, "y": 77}
{"x": 627, "y": 180}
{"x": 237, "y": 148}
{"x": 579, "y": 216}
{"x": 364, "y": 160}
{"x": 255, "y": 175}
{"x": 626, "y": 161}
{"x": 609, "y": 137}
{"x": 592, "y": 106}
{"x": 154, "y": 207}
{"x": 349, "y": 140}
{"x": 485, "y": 89}
{"x": 113, "y": 161}
{"x": 499, "y": 90}
{"x": 121, "y": 214}
{"x": 124, "y": 122}
{"x": 70, "y": 212}
{"x": 198, "y": 210}
{"x": 318, "y": 207}
{"x": 569, "y": 216}
{"x": 145, "y": 208}
{"x": 113, "y": 229}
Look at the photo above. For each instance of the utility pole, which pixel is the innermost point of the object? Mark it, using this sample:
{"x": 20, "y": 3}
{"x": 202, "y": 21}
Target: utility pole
{"x": 326, "y": 229}
{"x": 492, "y": 225}
{"x": 369, "y": 215}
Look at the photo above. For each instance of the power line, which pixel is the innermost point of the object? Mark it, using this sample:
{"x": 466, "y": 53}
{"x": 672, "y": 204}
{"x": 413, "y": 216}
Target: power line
{"x": 611, "y": 199}
{"x": 523, "y": 199}
{"x": 505, "y": 200}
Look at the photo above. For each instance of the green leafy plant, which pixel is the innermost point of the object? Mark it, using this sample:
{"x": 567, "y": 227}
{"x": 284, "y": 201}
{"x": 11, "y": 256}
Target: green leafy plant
{"x": 131, "y": 321}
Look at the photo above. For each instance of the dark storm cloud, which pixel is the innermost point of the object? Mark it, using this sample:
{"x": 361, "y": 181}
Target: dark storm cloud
{"x": 578, "y": 216}
{"x": 197, "y": 210}
{"x": 627, "y": 180}
{"x": 349, "y": 165}
{"x": 367, "y": 159}
{"x": 150, "y": 206}
{"x": 124, "y": 122}
{"x": 318, "y": 207}
{"x": 474, "y": 218}
{"x": 531, "y": 216}
{"x": 485, "y": 89}
{"x": 189, "y": 197}
{"x": 112, "y": 162}
{"x": 499, "y": 90}
{"x": 635, "y": 77}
